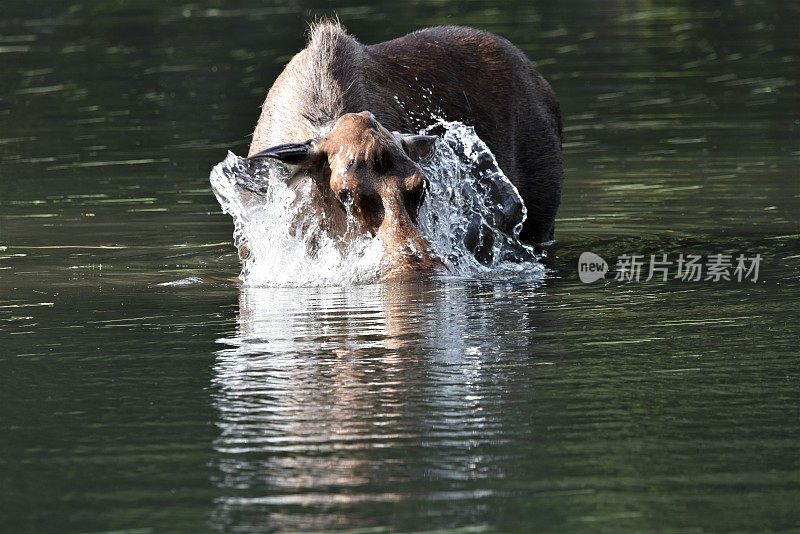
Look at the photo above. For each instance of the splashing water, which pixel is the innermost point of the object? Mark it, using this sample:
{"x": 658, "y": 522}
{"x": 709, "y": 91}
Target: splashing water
{"x": 471, "y": 217}
{"x": 284, "y": 247}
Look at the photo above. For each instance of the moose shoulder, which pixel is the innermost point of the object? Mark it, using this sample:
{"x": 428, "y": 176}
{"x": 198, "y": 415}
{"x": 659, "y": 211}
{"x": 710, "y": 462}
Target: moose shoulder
{"x": 346, "y": 113}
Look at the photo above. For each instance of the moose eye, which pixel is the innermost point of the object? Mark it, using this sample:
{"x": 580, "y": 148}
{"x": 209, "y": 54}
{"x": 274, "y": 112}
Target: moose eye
{"x": 350, "y": 163}
{"x": 345, "y": 197}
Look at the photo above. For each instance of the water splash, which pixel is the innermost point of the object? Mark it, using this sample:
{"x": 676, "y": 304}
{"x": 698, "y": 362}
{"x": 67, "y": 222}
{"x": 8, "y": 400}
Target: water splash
{"x": 277, "y": 244}
{"x": 471, "y": 216}
{"x": 183, "y": 282}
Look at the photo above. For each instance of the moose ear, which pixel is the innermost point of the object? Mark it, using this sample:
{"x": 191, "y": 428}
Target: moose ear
{"x": 418, "y": 147}
{"x": 294, "y": 154}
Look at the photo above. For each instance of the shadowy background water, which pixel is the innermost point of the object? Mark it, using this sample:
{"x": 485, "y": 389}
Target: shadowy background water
{"x": 127, "y": 405}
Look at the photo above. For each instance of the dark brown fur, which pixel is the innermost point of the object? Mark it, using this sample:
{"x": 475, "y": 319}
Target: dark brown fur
{"x": 461, "y": 74}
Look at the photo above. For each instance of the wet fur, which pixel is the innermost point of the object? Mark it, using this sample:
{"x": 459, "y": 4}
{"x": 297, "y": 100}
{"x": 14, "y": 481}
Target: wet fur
{"x": 461, "y": 74}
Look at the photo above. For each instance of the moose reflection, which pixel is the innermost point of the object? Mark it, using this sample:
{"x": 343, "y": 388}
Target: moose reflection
{"x": 322, "y": 392}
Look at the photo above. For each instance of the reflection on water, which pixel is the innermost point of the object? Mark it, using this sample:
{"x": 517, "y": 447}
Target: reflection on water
{"x": 325, "y": 394}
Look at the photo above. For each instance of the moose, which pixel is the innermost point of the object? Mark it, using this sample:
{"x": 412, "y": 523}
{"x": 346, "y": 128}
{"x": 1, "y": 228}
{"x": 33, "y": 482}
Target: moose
{"x": 347, "y": 115}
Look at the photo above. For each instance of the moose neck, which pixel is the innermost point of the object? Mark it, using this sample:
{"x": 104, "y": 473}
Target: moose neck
{"x": 319, "y": 85}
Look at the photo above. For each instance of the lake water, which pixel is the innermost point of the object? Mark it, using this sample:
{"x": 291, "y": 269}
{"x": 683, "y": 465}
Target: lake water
{"x": 142, "y": 390}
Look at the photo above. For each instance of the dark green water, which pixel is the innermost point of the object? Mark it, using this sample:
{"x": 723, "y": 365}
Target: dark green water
{"x": 462, "y": 404}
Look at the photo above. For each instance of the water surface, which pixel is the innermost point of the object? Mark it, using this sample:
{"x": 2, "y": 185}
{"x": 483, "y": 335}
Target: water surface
{"x": 458, "y": 403}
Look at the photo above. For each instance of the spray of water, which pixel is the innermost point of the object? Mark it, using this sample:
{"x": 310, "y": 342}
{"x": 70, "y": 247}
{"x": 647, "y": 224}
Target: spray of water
{"x": 471, "y": 216}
